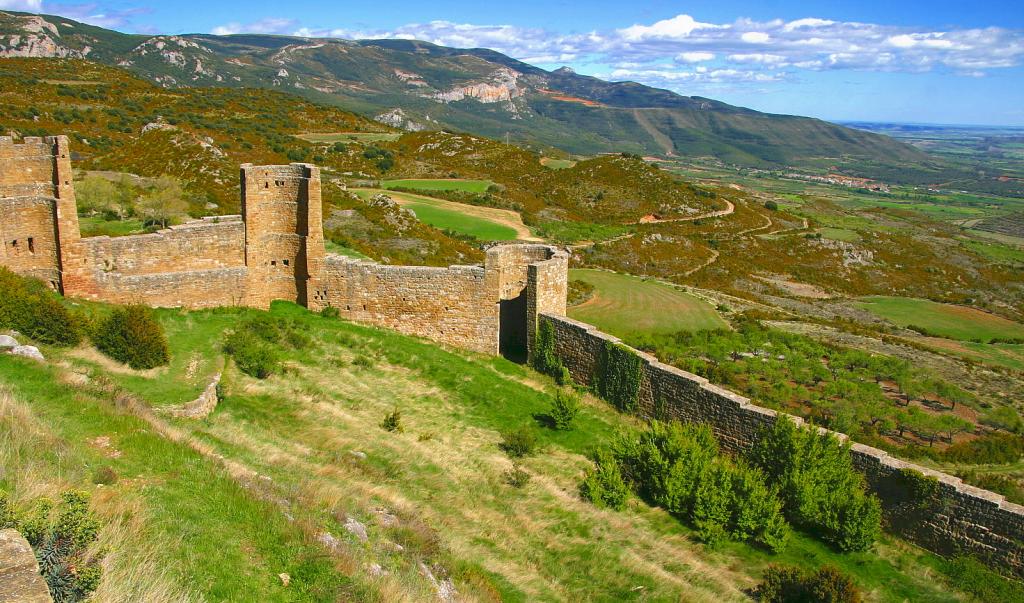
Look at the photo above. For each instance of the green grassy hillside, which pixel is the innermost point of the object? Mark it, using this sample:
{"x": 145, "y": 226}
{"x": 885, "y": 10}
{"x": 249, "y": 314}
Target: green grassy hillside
{"x": 219, "y": 508}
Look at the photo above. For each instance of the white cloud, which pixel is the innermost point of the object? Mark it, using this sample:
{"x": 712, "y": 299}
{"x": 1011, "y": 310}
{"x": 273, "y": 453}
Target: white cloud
{"x": 695, "y": 57}
{"x": 263, "y": 26}
{"x": 678, "y": 27}
{"x": 33, "y": 6}
{"x": 755, "y": 37}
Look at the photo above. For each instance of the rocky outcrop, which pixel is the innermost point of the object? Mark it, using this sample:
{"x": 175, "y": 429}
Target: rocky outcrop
{"x": 19, "y": 572}
{"x": 28, "y": 351}
{"x": 38, "y": 38}
{"x": 503, "y": 86}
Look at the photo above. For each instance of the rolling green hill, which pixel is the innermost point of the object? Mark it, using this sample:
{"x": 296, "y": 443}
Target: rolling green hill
{"x": 411, "y": 84}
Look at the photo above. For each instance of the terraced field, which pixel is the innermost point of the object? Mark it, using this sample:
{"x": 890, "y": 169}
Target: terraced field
{"x": 439, "y": 184}
{"x": 946, "y": 320}
{"x": 484, "y": 223}
{"x": 625, "y": 306}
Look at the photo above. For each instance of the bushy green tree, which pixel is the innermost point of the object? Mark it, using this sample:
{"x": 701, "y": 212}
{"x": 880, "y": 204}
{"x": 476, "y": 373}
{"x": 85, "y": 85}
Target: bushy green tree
{"x": 132, "y": 335}
{"x": 564, "y": 407}
{"x": 29, "y": 307}
{"x": 165, "y": 204}
{"x": 819, "y": 488}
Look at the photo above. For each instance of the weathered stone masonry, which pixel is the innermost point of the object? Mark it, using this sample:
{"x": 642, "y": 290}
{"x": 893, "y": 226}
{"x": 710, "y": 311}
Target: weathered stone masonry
{"x": 274, "y": 250}
{"x": 967, "y": 519}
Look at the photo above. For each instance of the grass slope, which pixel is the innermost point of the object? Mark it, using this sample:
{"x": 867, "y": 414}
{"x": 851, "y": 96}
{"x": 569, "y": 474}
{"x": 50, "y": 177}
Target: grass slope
{"x": 439, "y": 184}
{"x": 947, "y": 320}
{"x": 625, "y": 305}
{"x": 266, "y": 483}
{"x": 457, "y": 217}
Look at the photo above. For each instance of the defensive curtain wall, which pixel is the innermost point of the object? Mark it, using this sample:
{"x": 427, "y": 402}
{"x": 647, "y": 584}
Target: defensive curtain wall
{"x": 274, "y": 250}
{"x": 959, "y": 519}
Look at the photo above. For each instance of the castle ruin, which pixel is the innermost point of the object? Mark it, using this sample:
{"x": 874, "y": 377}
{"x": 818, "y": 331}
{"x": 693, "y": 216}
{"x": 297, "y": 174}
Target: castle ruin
{"x": 273, "y": 251}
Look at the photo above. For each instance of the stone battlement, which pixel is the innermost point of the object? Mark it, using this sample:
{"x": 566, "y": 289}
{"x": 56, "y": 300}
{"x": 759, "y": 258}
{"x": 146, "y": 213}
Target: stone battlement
{"x": 966, "y": 519}
{"x": 274, "y": 250}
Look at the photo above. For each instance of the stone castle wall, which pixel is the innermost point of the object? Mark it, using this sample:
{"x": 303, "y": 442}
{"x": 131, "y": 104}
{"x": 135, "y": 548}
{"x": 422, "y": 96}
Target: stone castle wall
{"x": 966, "y": 519}
{"x": 273, "y": 251}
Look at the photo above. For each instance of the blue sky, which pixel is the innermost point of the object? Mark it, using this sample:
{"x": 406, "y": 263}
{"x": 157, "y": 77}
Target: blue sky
{"x": 933, "y": 61}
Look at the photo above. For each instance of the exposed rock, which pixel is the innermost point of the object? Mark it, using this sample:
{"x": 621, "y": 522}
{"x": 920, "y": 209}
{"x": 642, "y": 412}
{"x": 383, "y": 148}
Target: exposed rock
{"x": 385, "y": 518}
{"x": 7, "y": 342}
{"x": 445, "y": 588}
{"x": 358, "y": 454}
{"x": 285, "y": 579}
{"x": 330, "y": 541}
{"x": 376, "y": 570}
{"x": 19, "y": 571}
{"x": 501, "y": 87}
{"x": 398, "y": 119}
{"x": 356, "y": 528}
{"x": 28, "y": 351}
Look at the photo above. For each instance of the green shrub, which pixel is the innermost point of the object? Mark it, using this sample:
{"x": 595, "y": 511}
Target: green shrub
{"x": 771, "y": 205}
{"x": 519, "y": 442}
{"x": 603, "y": 485}
{"x": 678, "y": 467}
{"x": 253, "y": 356}
{"x": 787, "y": 584}
{"x": 564, "y": 408}
{"x": 393, "y": 421}
{"x": 30, "y": 308}
{"x": 819, "y": 488}
{"x": 517, "y": 477}
{"x": 7, "y": 519}
{"x": 330, "y": 312}
{"x": 133, "y": 336}
{"x": 60, "y": 543}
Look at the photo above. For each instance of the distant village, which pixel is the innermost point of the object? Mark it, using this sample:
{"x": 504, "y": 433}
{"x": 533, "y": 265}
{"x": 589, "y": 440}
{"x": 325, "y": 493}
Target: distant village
{"x": 841, "y": 180}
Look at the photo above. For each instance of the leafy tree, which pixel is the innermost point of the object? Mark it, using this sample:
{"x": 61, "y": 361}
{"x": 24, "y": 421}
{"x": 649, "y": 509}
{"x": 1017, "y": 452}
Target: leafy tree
{"x": 165, "y": 204}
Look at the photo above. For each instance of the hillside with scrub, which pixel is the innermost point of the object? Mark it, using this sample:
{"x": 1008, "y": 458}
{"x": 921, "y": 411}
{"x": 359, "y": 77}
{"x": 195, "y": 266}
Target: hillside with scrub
{"x": 418, "y": 487}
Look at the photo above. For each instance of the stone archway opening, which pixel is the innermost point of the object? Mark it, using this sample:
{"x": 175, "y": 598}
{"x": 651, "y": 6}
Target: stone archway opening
{"x": 512, "y": 328}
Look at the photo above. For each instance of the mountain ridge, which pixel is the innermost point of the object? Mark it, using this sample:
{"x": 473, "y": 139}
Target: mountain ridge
{"x": 475, "y": 90}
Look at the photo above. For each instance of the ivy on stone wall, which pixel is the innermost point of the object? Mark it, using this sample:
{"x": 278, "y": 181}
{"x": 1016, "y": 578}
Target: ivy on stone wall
{"x": 619, "y": 378}
{"x": 544, "y": 359}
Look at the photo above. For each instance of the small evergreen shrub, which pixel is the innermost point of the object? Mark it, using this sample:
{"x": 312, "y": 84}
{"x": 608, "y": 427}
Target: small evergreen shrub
{"x": 564, "y": 409}
{"x": 28, "y": 307}
{"x": 771, "y": 205}
{"x": 253, "y": 356}
{"x": 104, "y": 475}
{"x": 604, "y": 485}
{"x": 133, "y": 336}
{"x": 393, "y": 421}
{"x": 517, "y": 477}
{"x": 787, "y": 584}
{"x": 519, "y": 442}
{"x": 330, "y": 312}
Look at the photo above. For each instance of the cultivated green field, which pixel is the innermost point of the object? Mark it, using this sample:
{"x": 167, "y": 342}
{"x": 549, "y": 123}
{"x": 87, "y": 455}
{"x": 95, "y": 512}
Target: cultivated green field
{"x": 439, "y": 184}
{"x": 625, "y": 305}
{"x": 447, "y": 215}
{"x": 332, "y": 137}
{"x": 954, "y": 322}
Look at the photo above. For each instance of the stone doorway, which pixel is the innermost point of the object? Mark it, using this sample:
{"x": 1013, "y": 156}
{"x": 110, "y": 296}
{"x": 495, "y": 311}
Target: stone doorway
{"x": 512, "y": 328}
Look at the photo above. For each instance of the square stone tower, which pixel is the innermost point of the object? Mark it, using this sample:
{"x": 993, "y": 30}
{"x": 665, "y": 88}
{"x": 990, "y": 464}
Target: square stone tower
{"x": 284, "y": 240}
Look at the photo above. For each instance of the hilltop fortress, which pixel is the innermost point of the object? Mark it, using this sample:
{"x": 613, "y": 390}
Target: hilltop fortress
{"x": 273, "y": 251}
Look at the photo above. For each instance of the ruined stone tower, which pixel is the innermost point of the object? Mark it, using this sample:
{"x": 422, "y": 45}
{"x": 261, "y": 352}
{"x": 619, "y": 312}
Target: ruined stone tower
{"x": 38, "y": 214}
{"x": 284, "y": 240}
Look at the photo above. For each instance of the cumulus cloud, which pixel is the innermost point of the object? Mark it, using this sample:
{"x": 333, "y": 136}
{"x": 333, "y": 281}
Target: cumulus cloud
{"x": 695, "y": 57}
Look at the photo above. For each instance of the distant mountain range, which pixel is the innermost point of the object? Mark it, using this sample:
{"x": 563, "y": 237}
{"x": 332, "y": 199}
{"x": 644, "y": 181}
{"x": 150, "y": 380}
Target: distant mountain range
{"x": 417, "y": 85}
